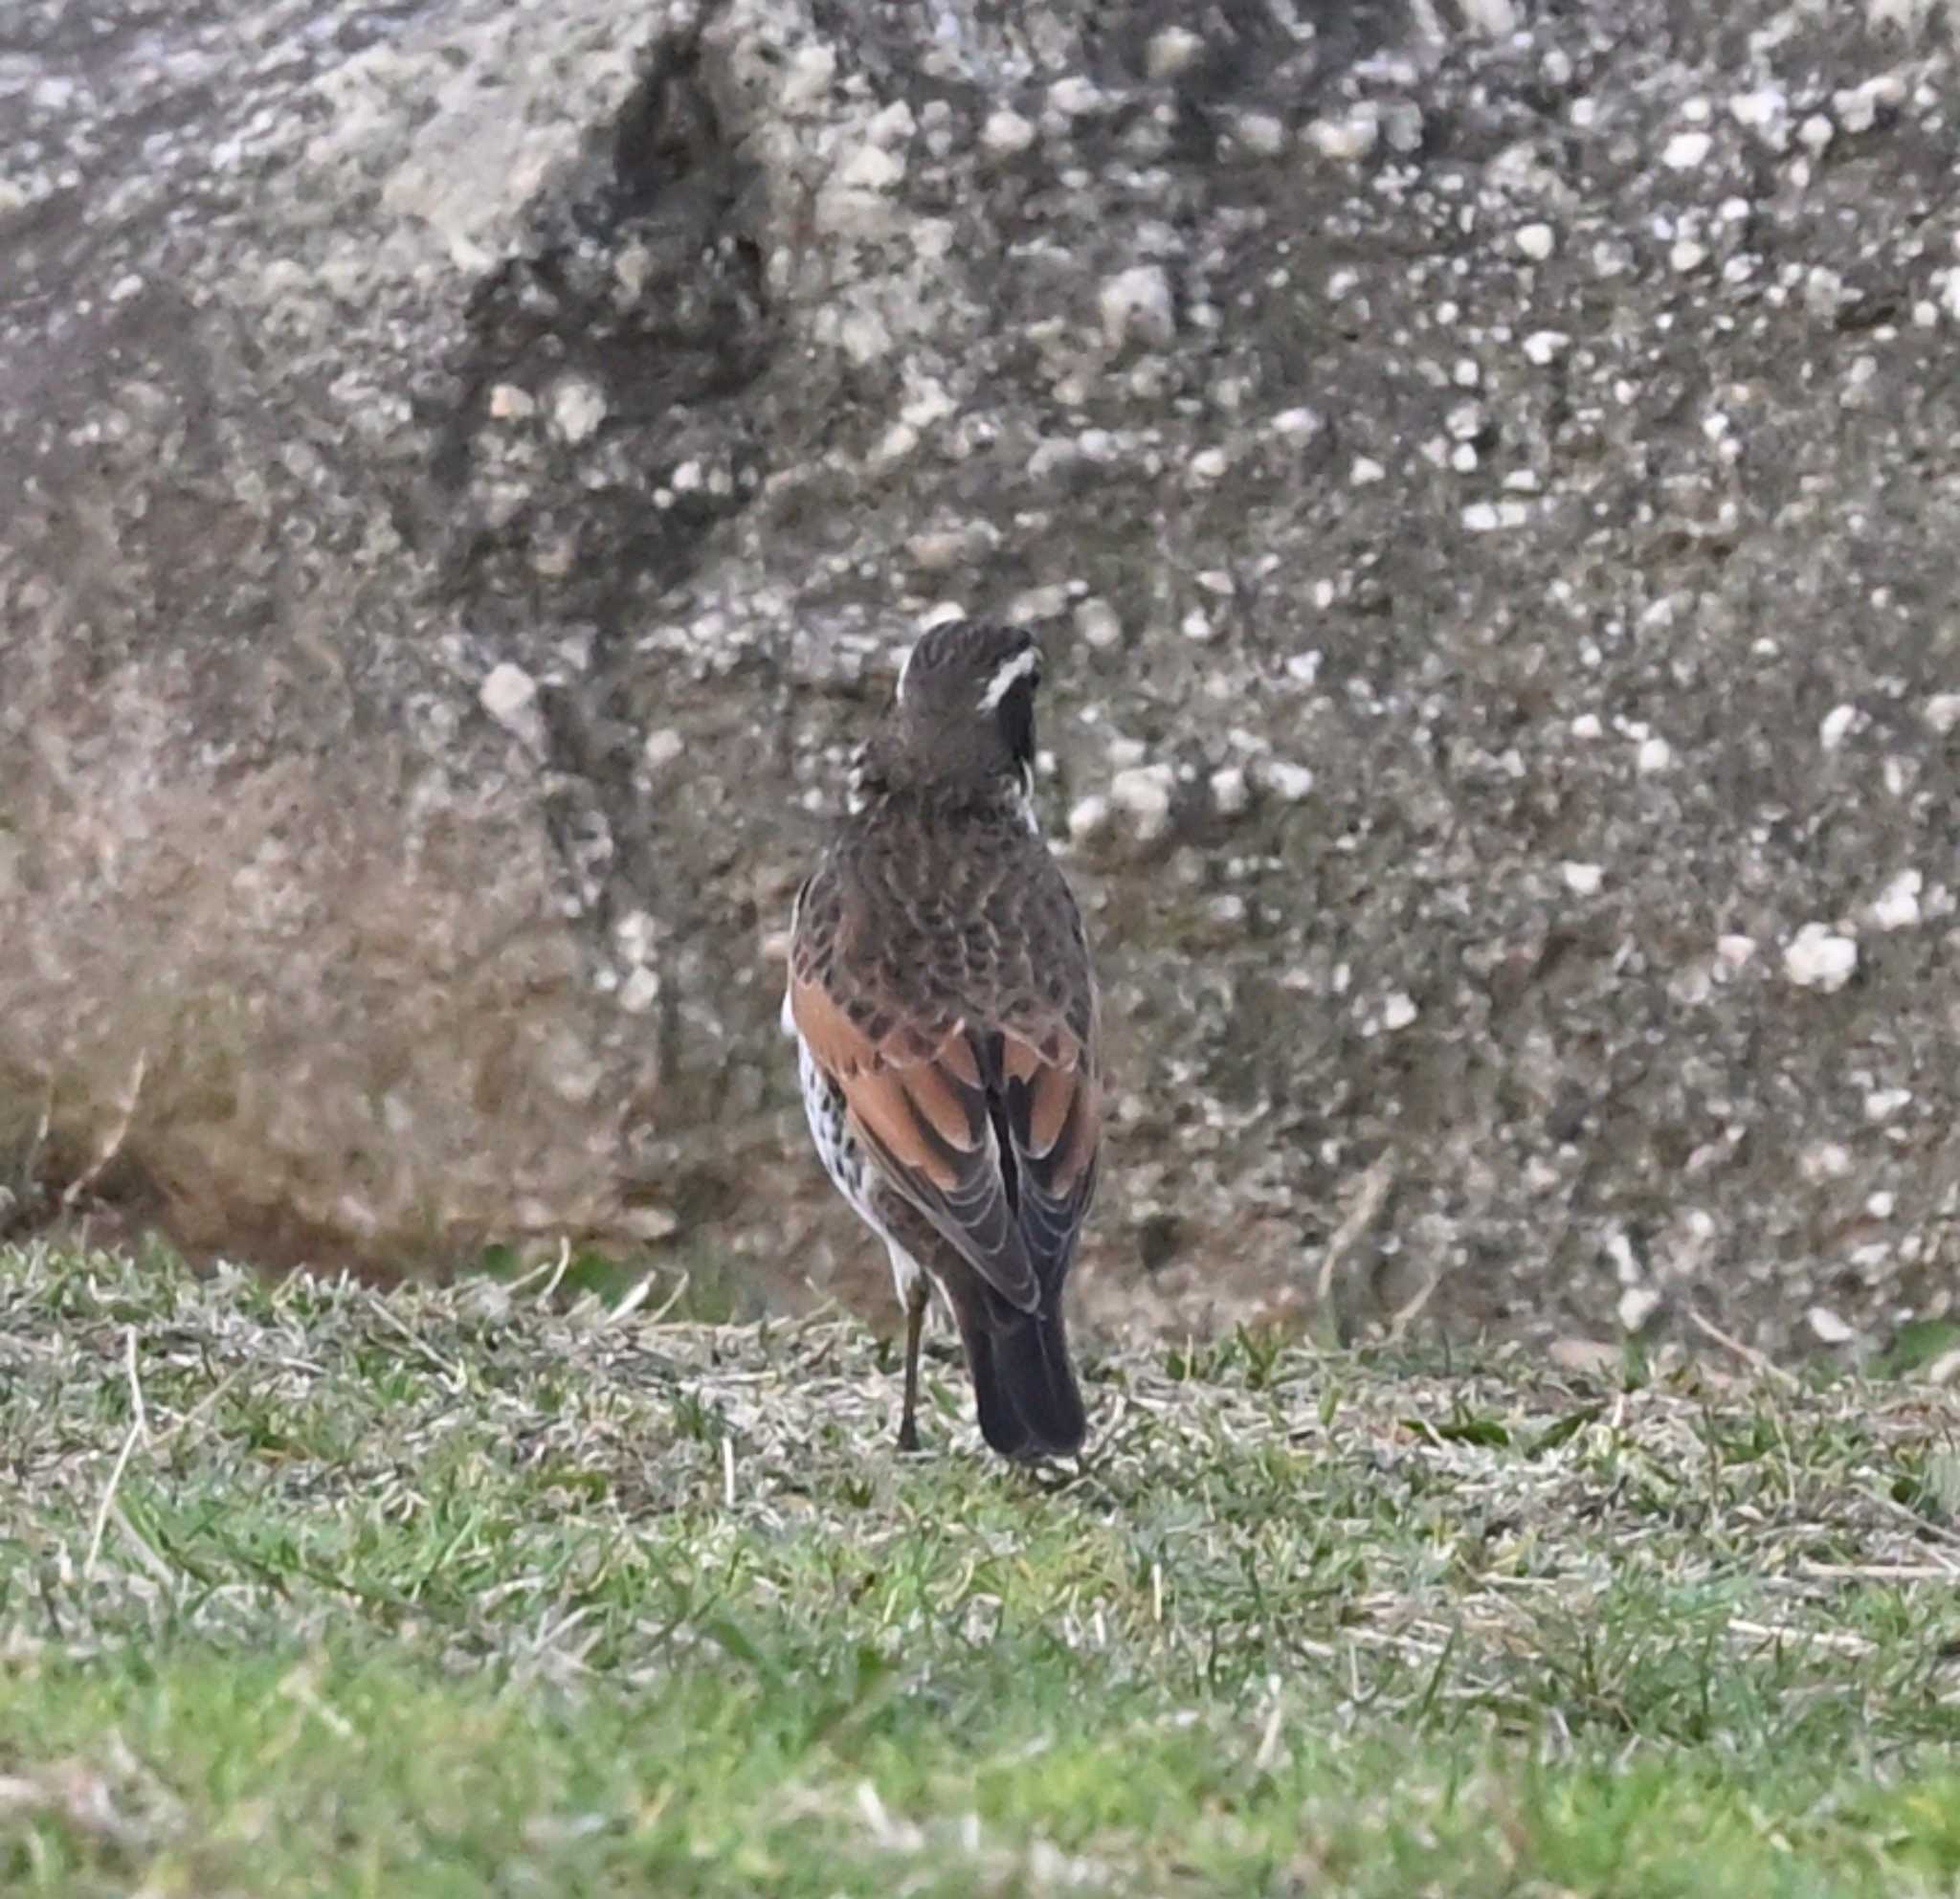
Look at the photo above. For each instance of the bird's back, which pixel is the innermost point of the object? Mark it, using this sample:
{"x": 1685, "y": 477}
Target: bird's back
{"x": 949, "y": 913}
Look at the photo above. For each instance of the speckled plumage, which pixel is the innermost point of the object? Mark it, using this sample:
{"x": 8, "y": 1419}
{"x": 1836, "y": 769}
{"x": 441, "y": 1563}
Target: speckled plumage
{"x": 949, "y": 1030}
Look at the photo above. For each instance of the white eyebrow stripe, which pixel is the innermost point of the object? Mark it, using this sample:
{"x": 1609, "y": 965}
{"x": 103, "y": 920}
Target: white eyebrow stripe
{"x": 1017, "y": 668}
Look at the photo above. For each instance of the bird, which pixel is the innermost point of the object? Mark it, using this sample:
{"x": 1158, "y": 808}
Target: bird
{"x": 948, "y": 1028}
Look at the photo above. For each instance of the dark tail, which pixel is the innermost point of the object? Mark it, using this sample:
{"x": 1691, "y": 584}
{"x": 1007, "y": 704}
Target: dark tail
{"x": 1022, "y": 1380}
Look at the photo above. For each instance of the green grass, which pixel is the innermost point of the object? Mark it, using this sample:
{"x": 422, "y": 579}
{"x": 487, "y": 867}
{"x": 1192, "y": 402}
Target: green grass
{"x": 305, "y": 1589}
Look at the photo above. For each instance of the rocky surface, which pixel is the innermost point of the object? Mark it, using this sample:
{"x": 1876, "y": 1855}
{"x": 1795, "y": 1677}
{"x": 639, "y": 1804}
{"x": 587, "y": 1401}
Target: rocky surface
{"x": 1486, "y": 473}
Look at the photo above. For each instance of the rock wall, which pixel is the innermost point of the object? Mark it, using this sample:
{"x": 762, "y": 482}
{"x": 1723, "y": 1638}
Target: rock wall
{"x": 1486, "y": 475}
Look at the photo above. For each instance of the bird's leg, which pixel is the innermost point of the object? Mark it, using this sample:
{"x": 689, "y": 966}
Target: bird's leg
{"x": 916, "y": 1295}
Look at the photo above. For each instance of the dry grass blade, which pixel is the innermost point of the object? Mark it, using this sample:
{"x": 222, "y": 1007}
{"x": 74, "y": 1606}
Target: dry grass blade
{"x": 1369, "y": 1196}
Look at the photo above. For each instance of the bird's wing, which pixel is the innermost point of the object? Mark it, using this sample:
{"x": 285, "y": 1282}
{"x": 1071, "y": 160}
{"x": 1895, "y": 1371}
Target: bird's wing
{"x": 1048, "y": 1084}
{"x": 985, "y": 1113}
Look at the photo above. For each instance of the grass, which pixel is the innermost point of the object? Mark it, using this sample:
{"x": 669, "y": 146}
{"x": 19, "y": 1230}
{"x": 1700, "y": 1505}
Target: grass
{"x": 306, "y": 1589}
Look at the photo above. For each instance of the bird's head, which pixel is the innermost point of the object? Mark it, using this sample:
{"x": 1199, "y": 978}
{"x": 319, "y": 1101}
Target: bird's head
{"x": 964, "y": 711}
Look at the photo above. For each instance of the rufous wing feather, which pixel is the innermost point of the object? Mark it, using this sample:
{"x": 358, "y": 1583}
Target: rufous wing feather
{"x": 1052, "y": 1092}
{"x": 920, "y": 1104}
